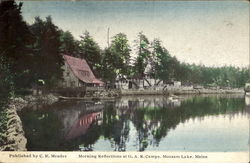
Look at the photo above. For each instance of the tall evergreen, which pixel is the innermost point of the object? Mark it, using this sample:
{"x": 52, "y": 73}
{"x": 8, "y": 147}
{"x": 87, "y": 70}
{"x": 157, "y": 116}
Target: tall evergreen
{"x": 120, "y": 51}
{"x": 69, "y": 45}
{"x": 90, "y": 51}
{"x": 143, "y": 55}
{"x": 15, "y": 42}
{"x": 46, "y": 49}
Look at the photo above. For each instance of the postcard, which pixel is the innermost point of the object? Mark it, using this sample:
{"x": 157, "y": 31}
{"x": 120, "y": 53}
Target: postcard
{"x": 124, "y": 81}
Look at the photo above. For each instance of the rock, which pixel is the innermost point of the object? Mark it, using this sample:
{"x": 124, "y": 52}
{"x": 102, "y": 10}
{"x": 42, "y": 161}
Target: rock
{"x": 18, "y": 103}
{"x": 42, "y": 99}
{"x": 51, "y": 98}
{"x": 12, "y": 121}
{"x": 15, "y": 139}
{"x": 30, "y": 98}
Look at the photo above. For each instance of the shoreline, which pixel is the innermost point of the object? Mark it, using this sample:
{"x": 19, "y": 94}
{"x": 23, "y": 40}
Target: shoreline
{"x": 181, "y": 92}
{"x": 150, "y": 92}
{"x": 14, "y": 134}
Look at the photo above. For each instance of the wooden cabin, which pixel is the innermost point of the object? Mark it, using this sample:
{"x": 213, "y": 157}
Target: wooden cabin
{"x": 77, "y": 73}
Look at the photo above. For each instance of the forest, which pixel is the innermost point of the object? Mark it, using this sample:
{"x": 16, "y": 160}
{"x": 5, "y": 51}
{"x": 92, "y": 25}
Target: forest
{"x": 29, "y": 52}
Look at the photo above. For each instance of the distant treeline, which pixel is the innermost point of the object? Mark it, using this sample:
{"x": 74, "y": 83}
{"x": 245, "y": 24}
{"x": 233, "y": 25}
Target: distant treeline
{"x": 30, "y": 52}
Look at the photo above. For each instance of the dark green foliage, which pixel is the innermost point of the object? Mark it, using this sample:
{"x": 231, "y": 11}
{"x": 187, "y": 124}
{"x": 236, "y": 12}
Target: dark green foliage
{"x": 165, "y": 66}
{"x": 14, "y": 32}
{"x": 120, "y": 52}
{"x": 33, "y": 53}
{"x": 90, "y": 51}
{"x": 10, "y": 44}
{"x": 15, "y": 41}
{"x": 6, "y": 91}
{"x": 116, "y": 59}
{"x": 69, "y": 45}
{"x": 108, "y": 71}
{"x": 6, "y": 82}
{"x": 47, "y": 59}
{"x": 143, "y": 55}
{"x": 226, "y": 76}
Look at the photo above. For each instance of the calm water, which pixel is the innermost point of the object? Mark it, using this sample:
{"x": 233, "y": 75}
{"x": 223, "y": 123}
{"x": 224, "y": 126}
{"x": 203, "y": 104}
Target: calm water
{"x": 197, "y": 123}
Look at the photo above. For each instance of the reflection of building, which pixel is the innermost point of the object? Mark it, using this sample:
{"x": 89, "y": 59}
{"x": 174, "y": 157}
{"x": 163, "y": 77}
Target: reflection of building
{"x": 81, "y": 126}
{"x": 135, "y": 103}
{"x": 70, "y": 112}
{"x": 247, "y": 100}
{"x": 173, "y": 103}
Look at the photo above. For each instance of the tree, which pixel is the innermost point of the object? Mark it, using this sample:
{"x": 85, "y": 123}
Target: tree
{"x": 143, "y": 55}
{"x": 116, "y": 59}
{"x": 15, "y": 41}
{"x": 166, "y": 66}
{"x": 120, "y": 52}
{"x": 7, "y": 90}
{"x": 108, "y": 71}
{"x": 47, "y": 53}
{"x": 91, "y": 51}
{"x": 6, "y": 82}
{"x": 69, "y": 45}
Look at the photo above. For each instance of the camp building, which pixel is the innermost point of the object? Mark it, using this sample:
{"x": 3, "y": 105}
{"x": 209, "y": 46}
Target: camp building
{"x": 77, "y": 73}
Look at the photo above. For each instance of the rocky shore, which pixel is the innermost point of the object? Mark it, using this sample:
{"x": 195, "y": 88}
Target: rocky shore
{"x": 14, "y": 135}
{"x": 180, "y": 91}
{"x": 31, "y": 100}
{"x": 205, "y": 91}
{"x": 15, "y": 139}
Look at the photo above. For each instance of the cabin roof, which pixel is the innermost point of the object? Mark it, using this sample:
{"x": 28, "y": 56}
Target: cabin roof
{"x": 81, "y": 69}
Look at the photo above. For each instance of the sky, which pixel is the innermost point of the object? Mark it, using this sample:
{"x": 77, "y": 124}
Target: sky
{"x": 213, "y": 33}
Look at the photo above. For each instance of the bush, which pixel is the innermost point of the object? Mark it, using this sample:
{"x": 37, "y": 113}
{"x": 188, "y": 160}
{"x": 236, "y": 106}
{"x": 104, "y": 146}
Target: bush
{"x": 6, "y": 82}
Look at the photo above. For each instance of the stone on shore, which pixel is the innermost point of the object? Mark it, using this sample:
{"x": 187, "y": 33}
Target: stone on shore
{"x": 15, "y": 139}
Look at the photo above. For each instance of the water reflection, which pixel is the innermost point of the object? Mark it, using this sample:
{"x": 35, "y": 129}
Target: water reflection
{"x": 247, "y": 100}
{"x": 81, "y": 126}
{"x": 131, "y": 123}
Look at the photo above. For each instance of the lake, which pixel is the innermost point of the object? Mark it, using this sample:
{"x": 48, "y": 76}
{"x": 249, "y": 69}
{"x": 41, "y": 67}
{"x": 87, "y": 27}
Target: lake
{"x": 140, "y": 123}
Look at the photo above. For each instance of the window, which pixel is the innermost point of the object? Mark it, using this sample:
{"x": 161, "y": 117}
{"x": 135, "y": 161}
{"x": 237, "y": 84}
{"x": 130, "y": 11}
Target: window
{"x": 84, "y": 73}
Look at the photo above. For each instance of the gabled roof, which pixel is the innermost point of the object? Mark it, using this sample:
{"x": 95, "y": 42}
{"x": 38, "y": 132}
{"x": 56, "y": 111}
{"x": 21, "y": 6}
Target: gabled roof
{"x": 81, "y": 69}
